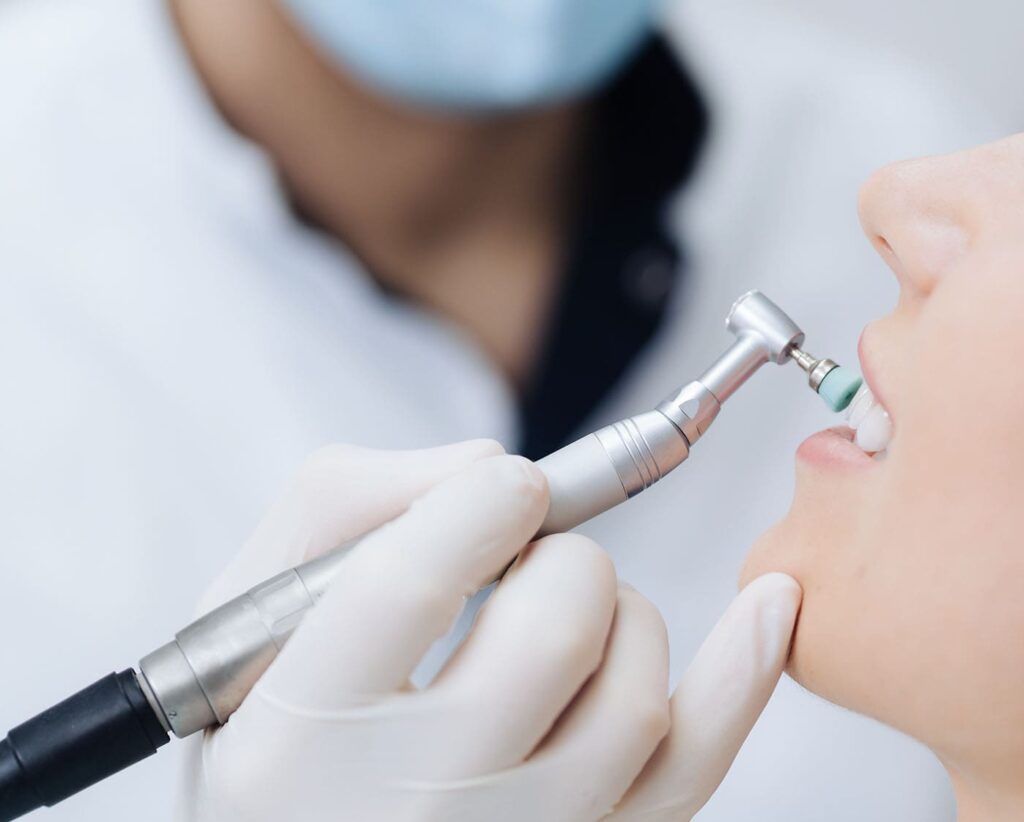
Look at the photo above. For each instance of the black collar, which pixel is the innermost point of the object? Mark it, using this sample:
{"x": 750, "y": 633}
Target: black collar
{"x": 648, "y": 128}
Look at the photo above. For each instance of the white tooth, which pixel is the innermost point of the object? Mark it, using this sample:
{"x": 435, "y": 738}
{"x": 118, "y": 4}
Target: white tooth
{"x": 863, "y": 401}
{"x": 875, "y": 430}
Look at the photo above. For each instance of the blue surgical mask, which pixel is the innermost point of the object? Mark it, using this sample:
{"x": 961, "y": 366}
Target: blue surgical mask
{"x": 478, "y": 54}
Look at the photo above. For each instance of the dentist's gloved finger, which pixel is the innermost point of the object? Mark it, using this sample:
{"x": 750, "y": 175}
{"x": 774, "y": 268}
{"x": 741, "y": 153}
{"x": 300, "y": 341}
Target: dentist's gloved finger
{"x": 607, "y": 735}
{"x": 340, "y": 492}
{"x": 717, "y": 702}
{"x": 535, "y": 643}
{"x": 405, "y": 583}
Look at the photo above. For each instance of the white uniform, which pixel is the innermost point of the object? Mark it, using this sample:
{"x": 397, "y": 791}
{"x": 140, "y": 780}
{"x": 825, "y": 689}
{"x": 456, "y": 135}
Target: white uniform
{"x": 173, "y": 341}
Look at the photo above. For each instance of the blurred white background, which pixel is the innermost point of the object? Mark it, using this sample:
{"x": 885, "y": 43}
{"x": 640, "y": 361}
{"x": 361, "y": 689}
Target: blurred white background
{"x": 975, "y": 44}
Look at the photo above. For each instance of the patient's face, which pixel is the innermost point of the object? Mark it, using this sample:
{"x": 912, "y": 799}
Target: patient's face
{"x": 913, "y": 565}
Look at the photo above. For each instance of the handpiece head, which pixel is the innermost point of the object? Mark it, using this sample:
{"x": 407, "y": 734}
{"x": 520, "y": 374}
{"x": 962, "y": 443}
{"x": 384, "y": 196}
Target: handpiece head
{"x": 756, "y": 318}
{"x": 764, "y": 333}
{"x": 763, "y": 330}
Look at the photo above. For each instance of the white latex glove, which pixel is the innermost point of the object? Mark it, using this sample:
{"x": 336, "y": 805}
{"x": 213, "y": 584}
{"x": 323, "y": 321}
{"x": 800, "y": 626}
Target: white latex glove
{"x": 716, "y": 703}
{"x": 549, "y": 711}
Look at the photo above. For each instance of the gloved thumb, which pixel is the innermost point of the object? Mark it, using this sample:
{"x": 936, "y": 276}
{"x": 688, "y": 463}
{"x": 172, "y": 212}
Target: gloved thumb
{"x": 719, "y": 699}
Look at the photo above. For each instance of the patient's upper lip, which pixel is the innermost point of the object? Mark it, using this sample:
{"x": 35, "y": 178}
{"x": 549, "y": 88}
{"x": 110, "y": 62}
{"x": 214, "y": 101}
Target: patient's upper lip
{"x": 865, "y": 355}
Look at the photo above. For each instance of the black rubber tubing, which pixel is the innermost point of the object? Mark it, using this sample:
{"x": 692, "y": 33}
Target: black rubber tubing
{"x": 77, "y": 743}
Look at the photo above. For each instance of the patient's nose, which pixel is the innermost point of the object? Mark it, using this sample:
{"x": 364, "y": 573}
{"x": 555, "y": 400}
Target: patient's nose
{"x": 913, "y": 214}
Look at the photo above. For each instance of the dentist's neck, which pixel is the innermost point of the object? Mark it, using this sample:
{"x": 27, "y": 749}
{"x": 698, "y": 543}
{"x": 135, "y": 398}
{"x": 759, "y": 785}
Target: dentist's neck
{"x": 463, "y": 214}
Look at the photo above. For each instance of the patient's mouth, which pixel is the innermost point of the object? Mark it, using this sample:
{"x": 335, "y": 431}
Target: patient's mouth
{"x": 871, "y": 422}
{"x": 860, "y": 444}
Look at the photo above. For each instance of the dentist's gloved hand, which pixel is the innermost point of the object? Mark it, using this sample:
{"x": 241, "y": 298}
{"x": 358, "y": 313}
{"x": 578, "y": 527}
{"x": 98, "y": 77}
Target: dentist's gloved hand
{"x": 716, "y": 703}
{"x": 550, "y": 710}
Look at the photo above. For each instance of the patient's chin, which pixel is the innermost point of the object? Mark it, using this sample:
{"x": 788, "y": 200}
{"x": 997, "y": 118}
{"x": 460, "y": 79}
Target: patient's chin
{"x": 820, "y": 657}
{"x": 771, "y": 552}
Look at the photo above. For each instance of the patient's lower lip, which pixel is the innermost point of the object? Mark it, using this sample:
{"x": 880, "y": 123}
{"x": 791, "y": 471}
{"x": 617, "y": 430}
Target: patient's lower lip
{"x": 833, "y": 448}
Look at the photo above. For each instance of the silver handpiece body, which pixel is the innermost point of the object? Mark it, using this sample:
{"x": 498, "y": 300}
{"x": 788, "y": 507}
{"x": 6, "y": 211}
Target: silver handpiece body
{"x": 201, "y": 677}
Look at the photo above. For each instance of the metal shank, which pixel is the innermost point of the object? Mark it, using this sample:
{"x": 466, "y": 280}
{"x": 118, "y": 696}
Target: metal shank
{"x": 816, "y": 369}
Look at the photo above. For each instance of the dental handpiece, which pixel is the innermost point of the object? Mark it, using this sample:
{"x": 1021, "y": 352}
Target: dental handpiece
{"x": 202, "y": 676}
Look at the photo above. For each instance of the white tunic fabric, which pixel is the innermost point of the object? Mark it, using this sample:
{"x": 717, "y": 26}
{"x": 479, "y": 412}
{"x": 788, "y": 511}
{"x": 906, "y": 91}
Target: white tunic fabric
{"x": 173, "y": 341}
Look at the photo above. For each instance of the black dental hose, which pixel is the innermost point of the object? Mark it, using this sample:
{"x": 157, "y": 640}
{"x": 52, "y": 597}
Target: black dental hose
{"x": 76, "y": 743}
